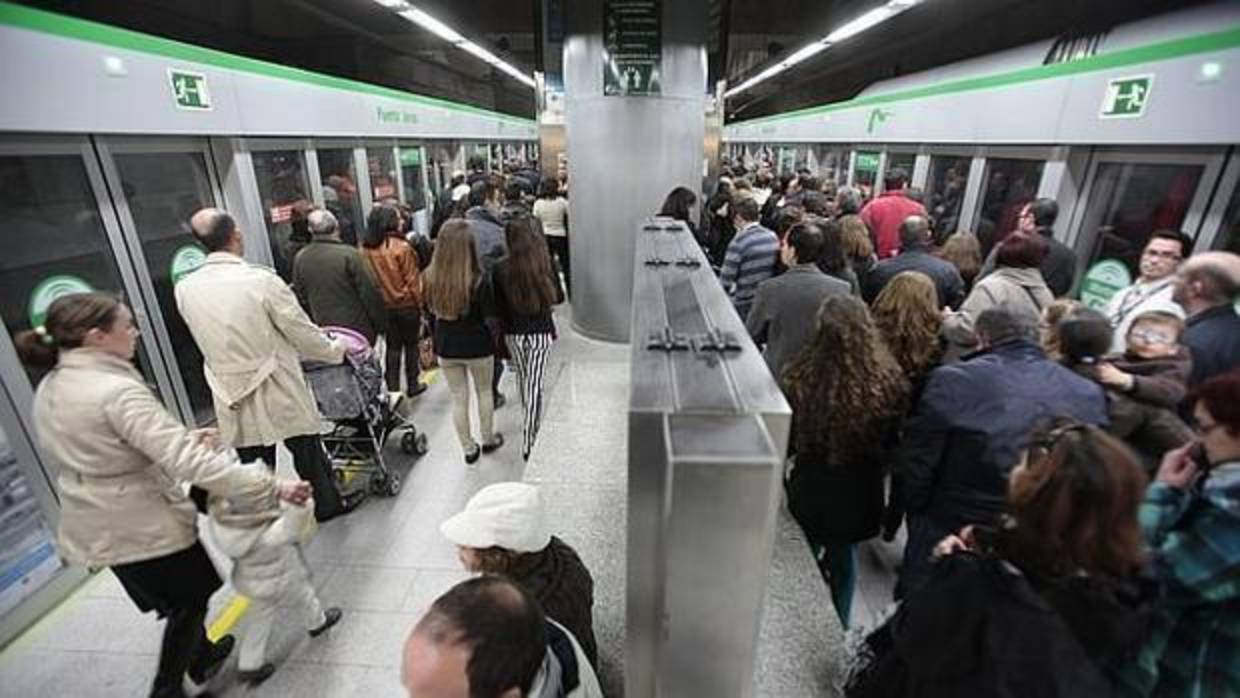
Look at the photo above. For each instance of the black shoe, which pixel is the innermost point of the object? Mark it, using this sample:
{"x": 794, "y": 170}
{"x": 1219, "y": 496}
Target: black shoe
{"x": 256, "y": 676}
{"x": 471, "y": 455}
{"x": 348, "y": 503}
{"x": 421, "y": 388}
{"x": 497, "y": 441}
{"x": 500, "y": 400}
{"x": 214, "y": 660}
{"x": 332, "y": 617}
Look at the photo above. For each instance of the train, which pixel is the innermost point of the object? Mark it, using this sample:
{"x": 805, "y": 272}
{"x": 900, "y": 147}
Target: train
{"x": 1130, "y": 130}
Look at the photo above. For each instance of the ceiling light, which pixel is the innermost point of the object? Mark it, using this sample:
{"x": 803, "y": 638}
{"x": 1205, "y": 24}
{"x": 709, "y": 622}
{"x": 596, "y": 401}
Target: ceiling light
{"x": 848, "y": 30}
{"x": 432, "y": 25}
{"x": 452, "y": 36}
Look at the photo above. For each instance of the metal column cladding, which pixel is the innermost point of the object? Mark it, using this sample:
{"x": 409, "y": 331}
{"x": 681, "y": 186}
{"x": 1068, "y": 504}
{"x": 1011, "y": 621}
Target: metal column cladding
{"x": 626, "y": 152}
{"x": 708, "y": 428}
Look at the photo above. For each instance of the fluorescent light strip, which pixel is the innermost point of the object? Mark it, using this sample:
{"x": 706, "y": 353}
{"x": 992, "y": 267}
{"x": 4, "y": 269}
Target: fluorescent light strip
{"x": 850, "y": 29}
{"x": 452, "y": 36}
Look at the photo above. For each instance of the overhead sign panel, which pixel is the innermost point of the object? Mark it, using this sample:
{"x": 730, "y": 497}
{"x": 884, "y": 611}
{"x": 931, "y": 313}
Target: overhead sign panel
{"x": 633, "y": 47}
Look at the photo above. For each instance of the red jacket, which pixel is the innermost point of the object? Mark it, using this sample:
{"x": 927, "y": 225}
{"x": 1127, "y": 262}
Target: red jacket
{"x": 884, "y": 216}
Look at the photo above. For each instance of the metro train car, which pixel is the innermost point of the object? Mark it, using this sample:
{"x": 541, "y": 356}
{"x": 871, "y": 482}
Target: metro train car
{"x": 1129, "y": 131}
{"x": 104, "y": 158}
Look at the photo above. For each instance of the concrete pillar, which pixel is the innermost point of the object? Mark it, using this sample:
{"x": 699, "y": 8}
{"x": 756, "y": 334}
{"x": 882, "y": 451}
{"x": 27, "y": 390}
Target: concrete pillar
{"x": 625, "y": 154}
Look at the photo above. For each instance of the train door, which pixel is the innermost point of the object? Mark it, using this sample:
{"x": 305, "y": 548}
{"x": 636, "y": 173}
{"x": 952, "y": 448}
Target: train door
{"x": 1129, "y": 194}
{"x": 1221, "y": 228}
{"x": 62, "y": 236}
{"x": 156, "y": 185}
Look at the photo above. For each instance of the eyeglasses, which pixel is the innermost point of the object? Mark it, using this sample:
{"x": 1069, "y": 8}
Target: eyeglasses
{"x": 1152, "y": 336}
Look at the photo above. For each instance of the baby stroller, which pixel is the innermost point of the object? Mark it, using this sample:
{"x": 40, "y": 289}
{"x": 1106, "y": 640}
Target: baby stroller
{"x": 363, "y": 414}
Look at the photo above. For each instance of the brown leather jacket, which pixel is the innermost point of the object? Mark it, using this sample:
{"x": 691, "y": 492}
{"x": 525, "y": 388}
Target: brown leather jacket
{"x": 395, "y": 266}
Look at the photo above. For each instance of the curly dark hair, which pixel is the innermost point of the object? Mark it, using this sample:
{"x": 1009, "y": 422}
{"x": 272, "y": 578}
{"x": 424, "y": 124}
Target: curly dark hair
{"x": 845, "y": 384}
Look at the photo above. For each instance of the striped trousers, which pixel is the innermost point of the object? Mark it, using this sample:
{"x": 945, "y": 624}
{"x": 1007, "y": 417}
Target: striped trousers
{"x": 529, "y": 357}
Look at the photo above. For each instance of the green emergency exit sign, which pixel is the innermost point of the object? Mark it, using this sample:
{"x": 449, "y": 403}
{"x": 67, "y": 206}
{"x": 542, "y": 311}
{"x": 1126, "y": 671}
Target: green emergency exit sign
{"x": 190, "y": 90}
{"x": 1126, "y": 97}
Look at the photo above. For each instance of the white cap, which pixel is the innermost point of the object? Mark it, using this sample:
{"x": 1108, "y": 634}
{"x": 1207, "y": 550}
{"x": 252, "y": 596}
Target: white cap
{"x": 507, "y": 515}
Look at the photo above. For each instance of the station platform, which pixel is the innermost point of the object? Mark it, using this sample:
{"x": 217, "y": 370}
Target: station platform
{"x": 385, "y": 563}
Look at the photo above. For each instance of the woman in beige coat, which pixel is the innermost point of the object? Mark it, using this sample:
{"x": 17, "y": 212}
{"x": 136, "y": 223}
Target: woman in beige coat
{"x": 1016, "y": 283}
{"x": 123, "y": 460}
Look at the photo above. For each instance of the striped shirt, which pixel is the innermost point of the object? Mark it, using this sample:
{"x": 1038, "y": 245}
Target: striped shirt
{"x": 749, "y": 261}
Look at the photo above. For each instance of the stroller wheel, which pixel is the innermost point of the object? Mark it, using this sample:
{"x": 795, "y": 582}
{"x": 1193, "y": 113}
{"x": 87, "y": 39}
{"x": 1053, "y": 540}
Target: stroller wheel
{"x": 413, "y": 443}
{"x": 393, "y": 484}
{"x": 379, "y": 483}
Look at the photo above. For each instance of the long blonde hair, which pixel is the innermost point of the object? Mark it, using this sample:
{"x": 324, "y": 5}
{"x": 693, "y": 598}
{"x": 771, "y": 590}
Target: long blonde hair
{"x": 964, "y": 250}
{"x": 908, "y": 316}
{"x": 454, "y": 273}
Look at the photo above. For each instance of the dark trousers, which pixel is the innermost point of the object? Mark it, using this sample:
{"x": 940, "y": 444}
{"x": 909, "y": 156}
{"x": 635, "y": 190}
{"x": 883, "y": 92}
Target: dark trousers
{"x": 558, "y": 246}
{"x": 310, "y": 461}
{"x": 177, "y": 586}
{"x": 404, "y": 328}
{"x": 497, "y": 374}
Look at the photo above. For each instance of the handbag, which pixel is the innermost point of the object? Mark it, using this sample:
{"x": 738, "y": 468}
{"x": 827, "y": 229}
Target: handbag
{"x": 426, "y": 345}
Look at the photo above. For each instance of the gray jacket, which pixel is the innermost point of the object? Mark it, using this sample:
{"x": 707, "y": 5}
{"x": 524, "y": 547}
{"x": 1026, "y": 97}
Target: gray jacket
{"x": 784, "y": 309}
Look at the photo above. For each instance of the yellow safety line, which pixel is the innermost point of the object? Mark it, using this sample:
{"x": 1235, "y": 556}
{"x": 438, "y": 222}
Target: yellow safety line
{"x": 228, "y": 618}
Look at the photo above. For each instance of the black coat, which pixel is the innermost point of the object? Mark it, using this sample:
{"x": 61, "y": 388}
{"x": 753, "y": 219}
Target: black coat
{"x": 1213, "y": 338}
{"x": 944, "y": 274}
{"x": 558, "y": 578}
{"x": 836, "y": 502}
{"x": 980, "y": 627}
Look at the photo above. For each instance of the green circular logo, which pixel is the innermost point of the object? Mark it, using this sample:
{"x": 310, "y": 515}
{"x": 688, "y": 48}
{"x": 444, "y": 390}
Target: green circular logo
{"x": 186, "y": 261}
{"x": 49, "y": 290}
{"x": 1102, "y": 281}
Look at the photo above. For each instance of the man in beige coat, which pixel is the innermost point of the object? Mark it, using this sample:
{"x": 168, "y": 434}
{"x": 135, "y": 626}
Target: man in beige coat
{"x": 253, "y": 335}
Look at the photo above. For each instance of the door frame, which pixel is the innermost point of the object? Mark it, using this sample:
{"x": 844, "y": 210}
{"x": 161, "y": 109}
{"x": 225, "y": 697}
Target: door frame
{"x": 11, "y": 371}
{"x": 1211, "y": 160}
{"x": 1228, "y": 188}
{"x": 108, "y": 147}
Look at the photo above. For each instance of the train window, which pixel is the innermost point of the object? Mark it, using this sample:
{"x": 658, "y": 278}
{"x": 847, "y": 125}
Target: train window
{"x": 340, "y": 195}
{"x": 411, "y": 173}
{"x": 284, "y": 188}
{"x": 945, "y": 185}
{"x": 1128, "y": 201}
{"x": 162, "y": 191}
{"x": 865, "y": 170}
{"x": 1229, "y": 234}
{"x": 904, "y": 161}
{"x": 55, "y": 242}
{"x": 382, "y": 166}
{"x": 1007, "y": 186}
{"x": 829, "y": 169}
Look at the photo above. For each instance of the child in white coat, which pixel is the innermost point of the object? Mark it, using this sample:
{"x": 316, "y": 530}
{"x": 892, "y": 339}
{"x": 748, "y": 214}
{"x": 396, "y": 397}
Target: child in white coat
{"x": 261, "y": 537}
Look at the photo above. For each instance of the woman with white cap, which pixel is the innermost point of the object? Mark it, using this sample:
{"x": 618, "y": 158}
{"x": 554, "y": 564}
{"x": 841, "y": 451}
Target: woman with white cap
{"x": 503, "y": 530}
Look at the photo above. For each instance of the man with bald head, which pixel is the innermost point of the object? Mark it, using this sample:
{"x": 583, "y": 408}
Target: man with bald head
{"x": 253, "y": 335}
{"x": 916, "y": 255}
{"x": 488, "y": 638}
{"x": 1207, "y": 287}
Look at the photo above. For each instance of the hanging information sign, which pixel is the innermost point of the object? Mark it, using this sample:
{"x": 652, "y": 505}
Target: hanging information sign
{"x": 632, "y": 47}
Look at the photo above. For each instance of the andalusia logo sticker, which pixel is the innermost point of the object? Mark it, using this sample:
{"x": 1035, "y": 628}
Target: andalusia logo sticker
{"x": 49, "y": 290}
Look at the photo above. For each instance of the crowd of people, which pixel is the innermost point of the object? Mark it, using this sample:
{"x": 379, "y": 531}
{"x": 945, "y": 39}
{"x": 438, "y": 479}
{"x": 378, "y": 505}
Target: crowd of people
{"x": 132, "y": 479}
{"x": 1068, "y": 477}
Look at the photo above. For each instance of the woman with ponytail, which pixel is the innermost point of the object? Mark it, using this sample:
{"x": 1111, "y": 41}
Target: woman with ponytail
{"x": 122, "y": 460}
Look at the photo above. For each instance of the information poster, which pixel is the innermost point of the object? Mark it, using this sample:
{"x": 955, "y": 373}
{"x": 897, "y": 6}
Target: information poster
{"x": 632, "y": 47}
{"x": 27, "y": 557}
